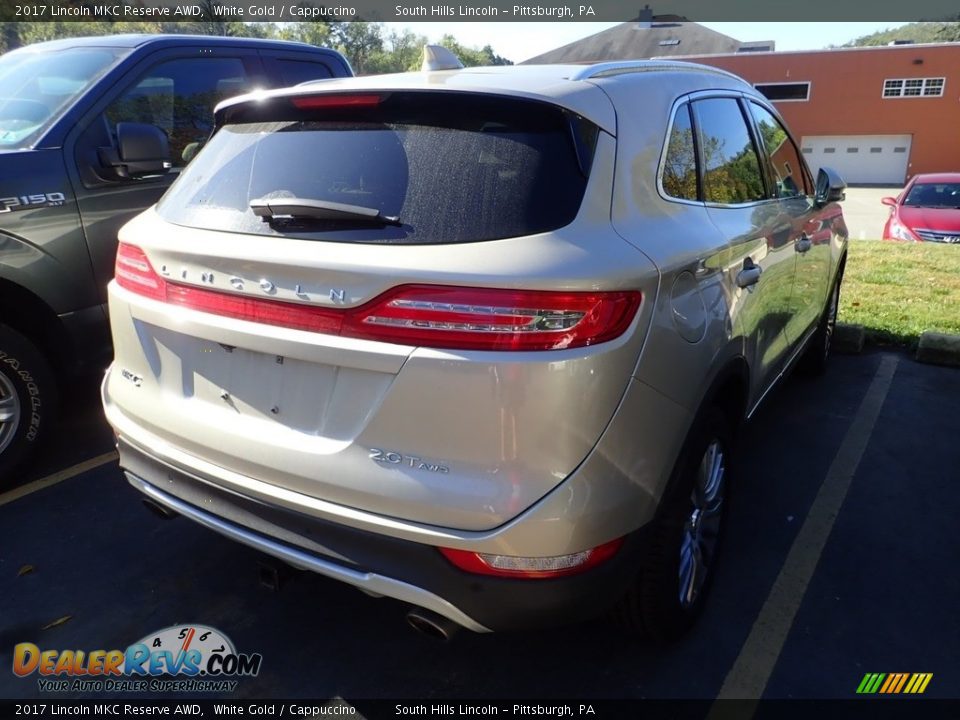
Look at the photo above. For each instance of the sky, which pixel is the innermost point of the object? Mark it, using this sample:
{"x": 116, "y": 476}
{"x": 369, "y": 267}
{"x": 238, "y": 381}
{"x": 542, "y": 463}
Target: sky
{"x": 522, "y": 40}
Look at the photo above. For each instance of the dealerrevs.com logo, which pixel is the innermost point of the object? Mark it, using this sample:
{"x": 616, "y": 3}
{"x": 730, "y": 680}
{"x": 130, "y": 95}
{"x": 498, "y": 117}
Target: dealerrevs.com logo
{"x": 180, "y": 658}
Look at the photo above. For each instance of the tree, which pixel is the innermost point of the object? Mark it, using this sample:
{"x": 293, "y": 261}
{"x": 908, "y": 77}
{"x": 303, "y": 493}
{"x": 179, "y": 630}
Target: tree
{"x": 9, "y": 36}
{"x": 472, "y": 57}
{"x": 359, "y": 41}
{"x": 918, "y": 32}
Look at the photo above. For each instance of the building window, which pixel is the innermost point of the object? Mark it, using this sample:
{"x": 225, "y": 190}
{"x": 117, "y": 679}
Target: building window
{"x": 876, "y": 150}
{"x": 913, "y": 87}
{"x": 785, "y": 92}
{"x": 853, "y": 149}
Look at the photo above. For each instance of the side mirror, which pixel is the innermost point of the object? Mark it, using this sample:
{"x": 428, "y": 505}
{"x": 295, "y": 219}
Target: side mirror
{"x": 141, "y": 150}
{"x": 892, "y": 202}
{"x": 830, "y": 187}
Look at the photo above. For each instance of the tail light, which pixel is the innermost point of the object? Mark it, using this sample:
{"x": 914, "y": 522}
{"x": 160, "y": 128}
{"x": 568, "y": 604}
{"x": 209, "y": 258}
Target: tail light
{"x": 531, "y": 568}
{"x": 134, "y": 272}
{"x": 436, "y": 316}
{"x": 489, "y": 319}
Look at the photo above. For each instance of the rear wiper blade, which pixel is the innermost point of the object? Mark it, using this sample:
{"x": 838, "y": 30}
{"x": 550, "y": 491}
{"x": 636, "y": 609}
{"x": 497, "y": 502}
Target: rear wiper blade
{"x": 300, "y": 208}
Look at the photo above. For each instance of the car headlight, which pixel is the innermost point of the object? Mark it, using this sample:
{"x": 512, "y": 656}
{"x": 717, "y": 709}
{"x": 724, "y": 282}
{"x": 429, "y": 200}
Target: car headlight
{"x": 899, "y": 231}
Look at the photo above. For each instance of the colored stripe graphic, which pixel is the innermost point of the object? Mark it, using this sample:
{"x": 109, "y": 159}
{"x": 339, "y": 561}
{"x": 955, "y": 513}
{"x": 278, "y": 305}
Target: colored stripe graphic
{"x": 894, "y": 683}
{"x": 903, "y": 679}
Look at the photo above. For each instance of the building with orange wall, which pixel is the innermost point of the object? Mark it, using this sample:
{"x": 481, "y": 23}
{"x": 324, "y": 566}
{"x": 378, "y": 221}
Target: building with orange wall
{"x": 875, "y": 114}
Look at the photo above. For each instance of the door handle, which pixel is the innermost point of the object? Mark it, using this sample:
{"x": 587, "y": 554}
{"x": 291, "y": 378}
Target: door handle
{"x": 803, "y": 244}
{"x": 750, "y": 275}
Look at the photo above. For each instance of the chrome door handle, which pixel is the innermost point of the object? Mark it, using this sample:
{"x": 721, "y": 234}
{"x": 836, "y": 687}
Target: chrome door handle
{"x": 803, "y": 244}
{"x": 750, "y": 275}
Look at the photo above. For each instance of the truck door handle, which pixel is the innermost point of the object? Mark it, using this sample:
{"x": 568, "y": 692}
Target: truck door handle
{"x": 750, "y": 275}
{"x": 803, "y": 244}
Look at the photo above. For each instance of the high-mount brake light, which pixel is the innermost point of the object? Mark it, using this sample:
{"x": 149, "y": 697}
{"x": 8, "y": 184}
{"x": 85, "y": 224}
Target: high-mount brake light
{"x": 436, "y": 316}
{"x": 316, "y": 102}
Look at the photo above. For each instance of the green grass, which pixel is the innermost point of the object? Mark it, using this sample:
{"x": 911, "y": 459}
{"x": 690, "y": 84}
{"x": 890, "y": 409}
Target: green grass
{"x": 898, "y": 290}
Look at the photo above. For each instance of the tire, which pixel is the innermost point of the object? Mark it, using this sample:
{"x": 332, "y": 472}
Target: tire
{"x": 666, "y": 598}
{"x": 817, "y": 355}
{"x": 28, "y": 400}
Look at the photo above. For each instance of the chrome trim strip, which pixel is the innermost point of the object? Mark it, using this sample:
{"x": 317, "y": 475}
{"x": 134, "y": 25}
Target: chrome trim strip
{"x": 368, "y": 582}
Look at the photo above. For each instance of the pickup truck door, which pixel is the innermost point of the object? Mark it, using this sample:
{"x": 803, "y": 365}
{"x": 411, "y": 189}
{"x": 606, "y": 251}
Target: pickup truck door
{"x": 175, "y": 90}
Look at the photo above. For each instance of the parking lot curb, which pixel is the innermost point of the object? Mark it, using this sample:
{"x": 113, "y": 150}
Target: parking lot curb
{"x": 939, "y": 349}
{"x": 848, "y": 339}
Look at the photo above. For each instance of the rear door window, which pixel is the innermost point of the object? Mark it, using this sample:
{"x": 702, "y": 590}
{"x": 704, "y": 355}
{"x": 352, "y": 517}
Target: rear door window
{"x": 453, "y": 167}
{"x": 731, "y": 167}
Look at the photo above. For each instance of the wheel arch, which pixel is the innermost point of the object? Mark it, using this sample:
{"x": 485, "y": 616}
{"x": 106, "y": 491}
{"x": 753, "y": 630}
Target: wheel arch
{"x": 30, "y": 316}
{"x": 729, "y": 392}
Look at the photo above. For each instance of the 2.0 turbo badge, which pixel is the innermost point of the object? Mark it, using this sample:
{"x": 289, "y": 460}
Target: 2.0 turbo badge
{"x": 388, "y": 457}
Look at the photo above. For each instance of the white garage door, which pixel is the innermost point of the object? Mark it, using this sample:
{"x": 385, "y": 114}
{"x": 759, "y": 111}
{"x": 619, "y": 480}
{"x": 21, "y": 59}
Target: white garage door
{"x": 880, "y": 159}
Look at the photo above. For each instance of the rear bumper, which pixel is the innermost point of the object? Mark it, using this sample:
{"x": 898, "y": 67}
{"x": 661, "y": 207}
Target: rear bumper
{"x": 411, "y": 572}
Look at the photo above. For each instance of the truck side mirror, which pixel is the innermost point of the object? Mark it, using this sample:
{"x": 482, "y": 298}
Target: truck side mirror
{"x": 141, "y": 150}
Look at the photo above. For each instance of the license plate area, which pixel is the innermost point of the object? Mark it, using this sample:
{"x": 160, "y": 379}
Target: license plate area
{"x": 244, "y": 386}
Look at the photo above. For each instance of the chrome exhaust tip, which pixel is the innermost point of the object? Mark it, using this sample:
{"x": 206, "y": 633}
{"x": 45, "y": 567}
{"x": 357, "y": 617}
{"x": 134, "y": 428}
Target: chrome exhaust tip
{"x": 431, "y": 624}
{"x": 158, "y": 509}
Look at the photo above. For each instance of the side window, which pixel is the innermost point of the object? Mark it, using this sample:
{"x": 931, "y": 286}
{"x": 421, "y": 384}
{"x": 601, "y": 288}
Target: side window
{"x": 785, "y": 161}
{"x": 680, "y": 163}
{"x": 178, "y": 96}
{"x": 731, "y": 168}
{"x": 294, "y": 72}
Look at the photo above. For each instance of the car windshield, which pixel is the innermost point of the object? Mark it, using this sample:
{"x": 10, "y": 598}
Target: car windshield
{"x": 414, "y": 169}
{"x": 36, "y": 87}
{"x": 934, "y": 195}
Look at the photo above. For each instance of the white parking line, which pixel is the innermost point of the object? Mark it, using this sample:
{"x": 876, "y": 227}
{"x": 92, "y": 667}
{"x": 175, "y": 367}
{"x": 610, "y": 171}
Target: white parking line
{"x": 57, "y": 477}
{"x": 751, "y": 671}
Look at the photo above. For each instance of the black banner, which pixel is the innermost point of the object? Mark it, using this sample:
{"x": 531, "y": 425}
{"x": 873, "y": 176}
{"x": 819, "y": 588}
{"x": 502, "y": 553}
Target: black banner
{"x": 474, "y": 10}
{"x": 874, "y": 708}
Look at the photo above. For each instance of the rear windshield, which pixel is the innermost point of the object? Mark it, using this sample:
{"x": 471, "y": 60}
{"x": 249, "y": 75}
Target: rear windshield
{"x": 446, "y": 168}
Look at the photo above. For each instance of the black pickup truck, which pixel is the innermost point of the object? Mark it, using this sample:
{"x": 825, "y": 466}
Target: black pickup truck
{"x": 92, "y": 131}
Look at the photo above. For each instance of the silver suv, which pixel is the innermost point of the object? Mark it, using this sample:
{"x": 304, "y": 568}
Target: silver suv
{"x": 478, "y": 340}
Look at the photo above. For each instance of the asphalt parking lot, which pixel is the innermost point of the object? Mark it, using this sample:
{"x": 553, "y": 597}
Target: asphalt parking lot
{"x": 840, "y": 560}
{"x": 863, "y": 212}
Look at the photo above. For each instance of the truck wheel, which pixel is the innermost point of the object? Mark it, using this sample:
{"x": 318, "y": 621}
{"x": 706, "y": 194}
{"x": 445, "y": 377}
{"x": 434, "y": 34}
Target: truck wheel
{"x": 680, "y": 558}
{"x": 27, "y": 399}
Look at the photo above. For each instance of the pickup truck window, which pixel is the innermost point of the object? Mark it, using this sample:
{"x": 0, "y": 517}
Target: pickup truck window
{"x": 36, "y": 87}
{"x": 178, "y": 96}
{"x": 294, "y": 72}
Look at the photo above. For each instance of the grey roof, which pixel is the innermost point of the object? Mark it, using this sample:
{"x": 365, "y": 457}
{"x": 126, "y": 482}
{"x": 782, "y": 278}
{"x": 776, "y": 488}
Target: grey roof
{"x": 632, "y": 41}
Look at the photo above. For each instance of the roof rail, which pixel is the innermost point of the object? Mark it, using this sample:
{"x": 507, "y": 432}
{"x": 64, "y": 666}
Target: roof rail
{"x": 622, "y": 67}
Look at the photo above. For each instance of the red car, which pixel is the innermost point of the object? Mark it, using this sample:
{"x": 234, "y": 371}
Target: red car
{"x": 928, "y": 210}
